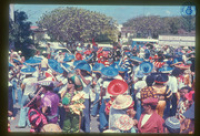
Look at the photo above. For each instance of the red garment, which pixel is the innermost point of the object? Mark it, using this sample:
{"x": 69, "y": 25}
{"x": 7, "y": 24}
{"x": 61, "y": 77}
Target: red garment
{"x": 153, "y": 125}
{"x": 159, "y": 64}
{"x": 99, "y": 55}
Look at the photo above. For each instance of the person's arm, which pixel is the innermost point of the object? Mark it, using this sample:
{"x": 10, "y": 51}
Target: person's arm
{"x": 44, "y": 109}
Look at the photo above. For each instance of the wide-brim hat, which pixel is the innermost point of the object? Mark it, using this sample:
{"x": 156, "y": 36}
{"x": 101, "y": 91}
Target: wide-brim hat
{"x": 136, "y": 59}
{"x": 122, "y": 69}
{"x": 165, "y": 69}
{"x": 161, "y": 78}
{"x": 88, "y": 52}
{"x": 100, "y": 50}
{"x": 190, "y": 112}
{"x": 76, "y": 62}
{"x": 182, "y": 66}
{"x": 84, "y": 66}
{"x": 146, "y": 67}
{"x": 188, "y": 96}
{"x": 51, "y": 128}
{"x": 117, "y": 87}
{"x": 10, "y": 65}
{"x": 28, "y": 70}
{"x": 124, "y": 122}
{"x": 139, "y": 74}
{"x": 172, "y": 122}
{"x": 33, "y": 61}
{"x": 17, "y": 61}
{"x": 97, "y": 67}
{"x": 78, "y": 56}
{"x": 109, "y": 71}
{"x": 66, "y": 67}
{"x": 175, "y": 62}
{"x": 88, "y": 58}
{"x": 115, "y": 64}
{"x": 49, "y": 81}
{"x": 55, "y": 66}
{"x": 68, "y": 57}
{"x": 122, "y": 102}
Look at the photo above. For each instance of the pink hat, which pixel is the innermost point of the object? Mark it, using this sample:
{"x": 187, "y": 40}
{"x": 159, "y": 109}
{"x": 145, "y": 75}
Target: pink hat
{"x": 124, "y": 122}
{"x": 122, "y": 102}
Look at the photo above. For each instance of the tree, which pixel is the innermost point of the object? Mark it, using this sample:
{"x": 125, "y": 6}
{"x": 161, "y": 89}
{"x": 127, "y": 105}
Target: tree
{"x": 76, "y": 24}
{"x": 19, "y": 33}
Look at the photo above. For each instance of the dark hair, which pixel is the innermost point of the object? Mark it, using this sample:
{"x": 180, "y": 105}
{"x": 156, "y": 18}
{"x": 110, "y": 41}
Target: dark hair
{"x": 149, "y": 80}
{"x": 153, "y": 107}
{"x": 173, "y": 130}
{"x": 176, "y": 72}
{"x": 187, "y": 88}
{"x": 50, "y": 87}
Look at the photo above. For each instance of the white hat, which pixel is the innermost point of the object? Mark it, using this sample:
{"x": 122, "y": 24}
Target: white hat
{"x": 19, "y": 51}
{"x": 44, "y": 52}
{"x": 59, "y": 51}
{"x": 9, "y": 52}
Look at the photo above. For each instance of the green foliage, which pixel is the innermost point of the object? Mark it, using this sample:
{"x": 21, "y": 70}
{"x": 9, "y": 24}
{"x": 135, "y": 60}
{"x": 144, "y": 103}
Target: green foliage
{"x": 159, "y": 25}
{"x": 19, "y": 33}
{"x": 76, "y": 24}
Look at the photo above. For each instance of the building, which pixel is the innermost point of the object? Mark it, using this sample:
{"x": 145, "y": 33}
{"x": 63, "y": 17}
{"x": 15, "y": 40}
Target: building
{"x": 39, "y": 34}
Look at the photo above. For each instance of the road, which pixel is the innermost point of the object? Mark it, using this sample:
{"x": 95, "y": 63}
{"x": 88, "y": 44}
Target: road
{"x": 94, "y": 122}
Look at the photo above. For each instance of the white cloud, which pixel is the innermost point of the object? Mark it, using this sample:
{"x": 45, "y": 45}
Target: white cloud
{"x": 167, "y": 12}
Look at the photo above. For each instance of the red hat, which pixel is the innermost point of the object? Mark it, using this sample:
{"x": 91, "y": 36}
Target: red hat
{"x": 117, "y": 87}
{"x": 48, "y": 74}
{"x": 79, "y": 56}
{"x": 87, "y": 52}
{"x": 99, "y": 50}
{"x": 188, "y": 96}
{"x": 155, "y": 57}
{"x": 150, "y": 100}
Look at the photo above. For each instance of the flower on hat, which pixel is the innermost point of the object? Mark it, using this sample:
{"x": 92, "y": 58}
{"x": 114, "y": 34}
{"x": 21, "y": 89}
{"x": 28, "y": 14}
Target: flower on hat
{"x": 124, "y": 122}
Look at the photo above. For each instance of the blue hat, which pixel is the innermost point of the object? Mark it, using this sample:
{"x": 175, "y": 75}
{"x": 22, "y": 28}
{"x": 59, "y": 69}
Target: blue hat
{"x": 97, "y": 67}
{"x": 188, "y": 62}
{"x": 190, "y": 112}
{"x": 33, "y": 61}
{"x": 52, "y": 61}
{"x": 128, "y": 54}
{"x": 83, "y": 66}
{"x": 137, "y": 59}
{"x": 115, "y": 64}
{"x": 88, "y": 58}
{"x": 38, "y": 58}
{"x": 66, "y": 67}
{"x": 139, "y": 74}
{"x": 28, "y": 70}
{"x": 146, "y": 67}
{"x": 109, "y": 71}
{"x": 76, "y": 62}
{"x": 68, "y": 57}
{"x": 172, "y": 122}
{"x": 175, "y": 61}
{"x": 17, "y": 61}
{"x": 10, "y": 65}
{"x": 165, "y": 69}
{"x": 55, "y": 66}
{"x": 122, "y": 69}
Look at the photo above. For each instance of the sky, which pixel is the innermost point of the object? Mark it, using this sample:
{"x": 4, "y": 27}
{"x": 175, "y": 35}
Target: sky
{"x": 120, "y": 13}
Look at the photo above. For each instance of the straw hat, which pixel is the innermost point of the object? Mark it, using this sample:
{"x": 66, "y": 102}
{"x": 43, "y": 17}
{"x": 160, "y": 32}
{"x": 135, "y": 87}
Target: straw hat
{"x": 122, "y": 102}
{"x": 124, "y": 122}
{"x": 172, "y": 122}
{"x": 51, "y": 128}
{"x": 117, "y": 87}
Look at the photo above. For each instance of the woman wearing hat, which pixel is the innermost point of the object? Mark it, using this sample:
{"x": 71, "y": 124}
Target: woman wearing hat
{"x": 35, "y": 116}
{"x": 150, "y": 121}
{"x": 121, "y": 116}
{"x": 108, "y": 74}
{"x": 83, "y": 70}
{"x": 162, "y": 91}
{"x": 27, "y": 88}
{"x": 72, "y": 102}
{"x": 49, "y": 102}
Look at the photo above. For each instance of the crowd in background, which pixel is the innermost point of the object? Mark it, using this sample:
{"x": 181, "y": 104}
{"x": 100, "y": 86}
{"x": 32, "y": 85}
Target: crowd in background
{"x": 141, "y": 89}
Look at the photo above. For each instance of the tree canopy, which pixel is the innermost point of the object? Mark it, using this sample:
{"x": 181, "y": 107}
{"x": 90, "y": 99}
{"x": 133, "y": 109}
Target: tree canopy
{"x": 76, "y": 24}
{"x": 20, "y": 32}
{"x": 160, "y": 25}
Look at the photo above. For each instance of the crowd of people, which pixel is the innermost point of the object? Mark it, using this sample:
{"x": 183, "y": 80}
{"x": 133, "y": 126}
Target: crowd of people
{"x": 140, "y": 89}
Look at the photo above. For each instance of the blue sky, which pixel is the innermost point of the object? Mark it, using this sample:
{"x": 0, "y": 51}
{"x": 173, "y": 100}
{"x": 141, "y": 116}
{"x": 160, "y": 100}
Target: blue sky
{"x": 119, "y": 13}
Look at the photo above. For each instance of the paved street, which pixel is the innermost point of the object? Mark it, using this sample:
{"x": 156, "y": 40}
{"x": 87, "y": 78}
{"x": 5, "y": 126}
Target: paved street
{"x": 13, "y": 123}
